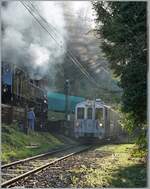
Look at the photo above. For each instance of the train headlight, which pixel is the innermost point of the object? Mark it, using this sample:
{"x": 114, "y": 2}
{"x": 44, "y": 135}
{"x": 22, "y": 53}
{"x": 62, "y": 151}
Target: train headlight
{"x": 77, "y": 124}
{"x": 100, "y": 124}
{"x": 4, "y": 90}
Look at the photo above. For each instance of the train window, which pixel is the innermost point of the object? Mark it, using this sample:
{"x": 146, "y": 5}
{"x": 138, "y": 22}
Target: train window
{"x": 89, "y": 113}
{"x": 6, "y": 75}
{"x": 80, "y": 113}
{"x": 99, "y": 114}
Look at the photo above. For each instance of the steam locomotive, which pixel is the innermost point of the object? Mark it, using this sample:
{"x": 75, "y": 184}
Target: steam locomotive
{"x": 19, "y": 90}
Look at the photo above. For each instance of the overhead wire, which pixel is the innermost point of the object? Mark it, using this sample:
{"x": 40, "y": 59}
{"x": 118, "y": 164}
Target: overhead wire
{"x": 69, "y": 54}
{"x": 69, "y": 51}
{"x": 72, "y": 58}
{"x": 45, "y": 29}
{"x": 58, "y": 35}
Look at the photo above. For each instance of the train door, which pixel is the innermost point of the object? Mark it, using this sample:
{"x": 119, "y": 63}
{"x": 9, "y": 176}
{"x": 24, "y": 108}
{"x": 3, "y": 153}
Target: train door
{"x": 79, "y": 121}
{"x": 89, "y": 124}
{"x": 89, "y": 113}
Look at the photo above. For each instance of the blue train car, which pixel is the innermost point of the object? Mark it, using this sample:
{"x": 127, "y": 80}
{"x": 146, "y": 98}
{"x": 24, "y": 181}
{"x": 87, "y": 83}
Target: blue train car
{"x": 18, "y": 90}
{"x": 7, "y": 82}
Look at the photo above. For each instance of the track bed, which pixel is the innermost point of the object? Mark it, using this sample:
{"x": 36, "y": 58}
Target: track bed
{"x": 99, "y": 166}
{"x": 12, "y": 173}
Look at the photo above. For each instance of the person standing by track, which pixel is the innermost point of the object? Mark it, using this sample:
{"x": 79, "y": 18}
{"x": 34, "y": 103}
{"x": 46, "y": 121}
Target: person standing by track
{"x": 31, "y": 119}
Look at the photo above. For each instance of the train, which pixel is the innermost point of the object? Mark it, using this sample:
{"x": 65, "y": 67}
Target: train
{"x": 95, "y": 120}
{"x": 19, "y": 90}
{"x": 92, "y": 118}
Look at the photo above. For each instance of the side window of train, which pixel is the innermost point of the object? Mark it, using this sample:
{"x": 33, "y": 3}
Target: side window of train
{"x": 99, "y": 114}
{"x": 89, "y": 113}
{"x": 80, "y": 113}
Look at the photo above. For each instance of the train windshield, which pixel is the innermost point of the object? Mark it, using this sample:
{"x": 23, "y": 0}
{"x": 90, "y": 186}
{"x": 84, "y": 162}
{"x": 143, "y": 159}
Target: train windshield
{"x": 80, "y": 113}
{"x": 99, "y": 114}
{"x": 89, "y": 113}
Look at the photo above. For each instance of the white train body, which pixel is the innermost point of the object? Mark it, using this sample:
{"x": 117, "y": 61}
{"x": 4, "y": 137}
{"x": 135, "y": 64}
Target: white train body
{"x": 95, "y": 119}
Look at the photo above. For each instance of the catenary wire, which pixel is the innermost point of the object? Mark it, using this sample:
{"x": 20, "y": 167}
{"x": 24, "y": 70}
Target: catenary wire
{"x": 74, "y": 60}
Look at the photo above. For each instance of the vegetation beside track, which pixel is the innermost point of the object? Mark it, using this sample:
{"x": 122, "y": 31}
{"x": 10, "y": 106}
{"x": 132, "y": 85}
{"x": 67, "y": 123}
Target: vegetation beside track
{"x": 17, "y": 145}
{"x": 110, "y": 166}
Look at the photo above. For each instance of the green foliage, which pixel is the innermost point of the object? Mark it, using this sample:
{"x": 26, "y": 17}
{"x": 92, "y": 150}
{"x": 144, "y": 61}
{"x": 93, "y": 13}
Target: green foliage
{"x": 127, "y": 122}
{"x": 15, "y": 143}
{"x": 142, "y": 140}
{"x": 114, "y": 168}
{"x": 120, "y": 148}
{"x": 123, "y": 31}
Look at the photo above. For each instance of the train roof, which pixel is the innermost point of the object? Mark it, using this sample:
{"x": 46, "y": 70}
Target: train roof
{"x": 98, "y": 103}
{"x": 90, "y": 103}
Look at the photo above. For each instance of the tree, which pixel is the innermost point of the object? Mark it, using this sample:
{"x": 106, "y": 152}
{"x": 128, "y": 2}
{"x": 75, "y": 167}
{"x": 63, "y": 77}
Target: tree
{"x": 123, "y": 28}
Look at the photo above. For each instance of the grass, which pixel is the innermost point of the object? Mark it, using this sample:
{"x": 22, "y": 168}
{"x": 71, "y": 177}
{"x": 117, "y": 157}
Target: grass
{"x": 16, "y": 144}
{"x": 115, "y": 168}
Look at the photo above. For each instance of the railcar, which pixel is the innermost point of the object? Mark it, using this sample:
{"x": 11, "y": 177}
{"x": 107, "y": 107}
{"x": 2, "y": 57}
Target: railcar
{"x": 94, "y": 119}
{"x": 19, "y": 90}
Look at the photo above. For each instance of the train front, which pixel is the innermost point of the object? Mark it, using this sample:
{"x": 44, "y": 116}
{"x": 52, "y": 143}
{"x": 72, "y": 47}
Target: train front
{"x": 89, "y": 120}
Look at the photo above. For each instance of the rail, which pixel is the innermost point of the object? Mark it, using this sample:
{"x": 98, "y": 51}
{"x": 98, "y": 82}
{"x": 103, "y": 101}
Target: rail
{"x": 35, "y": 165}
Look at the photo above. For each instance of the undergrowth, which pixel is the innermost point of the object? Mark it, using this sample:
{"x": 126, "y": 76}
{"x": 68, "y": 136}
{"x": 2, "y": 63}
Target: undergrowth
{"x": 17, "y": 145}
{"x": 116, "y": 167}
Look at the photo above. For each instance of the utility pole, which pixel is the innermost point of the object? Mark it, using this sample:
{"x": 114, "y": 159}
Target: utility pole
{"x": 67, "y": 101}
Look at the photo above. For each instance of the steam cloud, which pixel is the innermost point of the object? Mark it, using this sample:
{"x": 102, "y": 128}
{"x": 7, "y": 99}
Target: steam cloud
{"x": 24, "y": 42}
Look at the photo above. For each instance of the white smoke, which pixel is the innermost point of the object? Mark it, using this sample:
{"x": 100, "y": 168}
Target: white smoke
{"x": 24, "y": 40}
{"x": 40, "y": 55}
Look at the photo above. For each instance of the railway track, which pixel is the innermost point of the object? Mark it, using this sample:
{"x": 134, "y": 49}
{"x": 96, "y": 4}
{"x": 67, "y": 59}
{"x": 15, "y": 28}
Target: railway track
{"x": 13, "y": 172}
